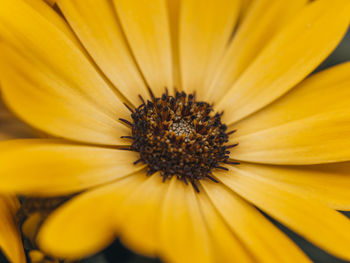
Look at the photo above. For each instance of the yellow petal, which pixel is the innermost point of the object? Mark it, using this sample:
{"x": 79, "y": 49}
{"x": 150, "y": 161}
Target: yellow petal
{"x": 53, "y": 167}
{"x": 328, "y": 183}
{"x": 49, "y": 83}
{"x": 52, "y": 17}
{"x": 257, "y": 234}
{"x": 174, "y": 10}
{"x": 97, "y": 26}
{"x": 263, "y": 20}
{"x": 313, "y": 220}
{"x": 31, "y": 226}
{"x": 226, "y": 244}
{"x": 309, "y": 125}
{"x": 245, "y": 7}
{"x": 205, "y": 28}
{"x": 184, "y": 236}
{"x": 146, "y": 26}
{"x": 85, "y": 225}
{"x": 324, "y": 92}
{"x": 288, "y": 58}
{"x": 137, "y": 219}
{"x": 36, "y": 256}
{"x": 10, "y": 238}
{"x": 50, "y": 2}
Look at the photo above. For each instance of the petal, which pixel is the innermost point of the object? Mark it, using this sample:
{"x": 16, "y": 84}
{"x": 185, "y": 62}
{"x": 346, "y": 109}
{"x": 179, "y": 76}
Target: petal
{"x": 318, "y": 223}
{"x": 10, "y": 238}
{"x": 51, "y": 16}
{"x": 328, "y": 183}
{"x": 173, "y": 11}
{"x": 262, "y": 239}
{"x": 309, "y": 125}
{"x": 139, "y": 216}
{"x": 205, "y": 28}
{"x": 263, "y": 20}
{"x": 85, "y": 225}
{"x": 49, "y": 82}
{"x": 183, "y": 234}
{"x": 31, "y": 225}
{"x": 97, "y": 26}
{"x": 36, "y": 256}
{"x": 245, "y": 7}
{"x": 226, "y": 244}
{"x": 54, "y": 167}
{"x": 315, "y": 32}
{"x": 146, "y": 26}
{"x": 50, "y": 2}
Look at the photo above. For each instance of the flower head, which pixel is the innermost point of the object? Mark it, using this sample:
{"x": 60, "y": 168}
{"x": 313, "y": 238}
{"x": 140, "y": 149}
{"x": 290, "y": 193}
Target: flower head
{"x": 206, "y": 99}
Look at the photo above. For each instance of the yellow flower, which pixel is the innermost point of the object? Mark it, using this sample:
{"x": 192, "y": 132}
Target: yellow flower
{"x": 71, "y": 77}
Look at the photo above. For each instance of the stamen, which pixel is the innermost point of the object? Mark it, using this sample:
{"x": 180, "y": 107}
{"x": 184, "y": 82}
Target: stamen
{"x": 221, "y": 167}
{"x": 127, "y": 137}
{"x": 231, "y": 146}
{"x": 143, "y": 101}
{"x": 137, "y": 161}
{"x": 231, "y": 132}
{"x": 126, "y": 122}
{"x": 232, "y": 162}
{"x": 128, "y": 107}
{"x": 212, "y": 178}
{"x": 195, "y": 186}
{"x": 151, "y": 93}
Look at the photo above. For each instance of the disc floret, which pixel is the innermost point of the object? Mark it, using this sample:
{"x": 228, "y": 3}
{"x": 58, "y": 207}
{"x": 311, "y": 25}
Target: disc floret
{"x": 179, "y": 136}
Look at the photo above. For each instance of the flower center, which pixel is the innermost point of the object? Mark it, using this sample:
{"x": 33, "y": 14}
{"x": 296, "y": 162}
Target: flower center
{"x": 179, "y": 136}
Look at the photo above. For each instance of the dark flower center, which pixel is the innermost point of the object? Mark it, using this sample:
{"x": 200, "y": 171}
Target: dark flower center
{"x": 179, "y": 136}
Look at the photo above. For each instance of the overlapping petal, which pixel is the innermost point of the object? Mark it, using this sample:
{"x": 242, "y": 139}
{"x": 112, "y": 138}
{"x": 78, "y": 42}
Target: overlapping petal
{"x": 50, "y": 83}
{"x": 147, "y": 199}
{"x": 309, "y": 125}
{"x": 205, "y": 27}
{"x": 45, "y": 11}
{"x": 289, "y": 57}
{"x": 97, "y": 26}
{"x": 146, "y": 26}
{"x": 328, "y": 183}
{"x": 225, "y": 243}
{"x": 158, "y": 220}
{"x": 53, "y": 167}
{"x": 76, "y": 230}
{"x": 183, "y": 234}
{"x": 263, "y": 20}
{"x": 308, "y": 217}
{"x": 264, "y": 241}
